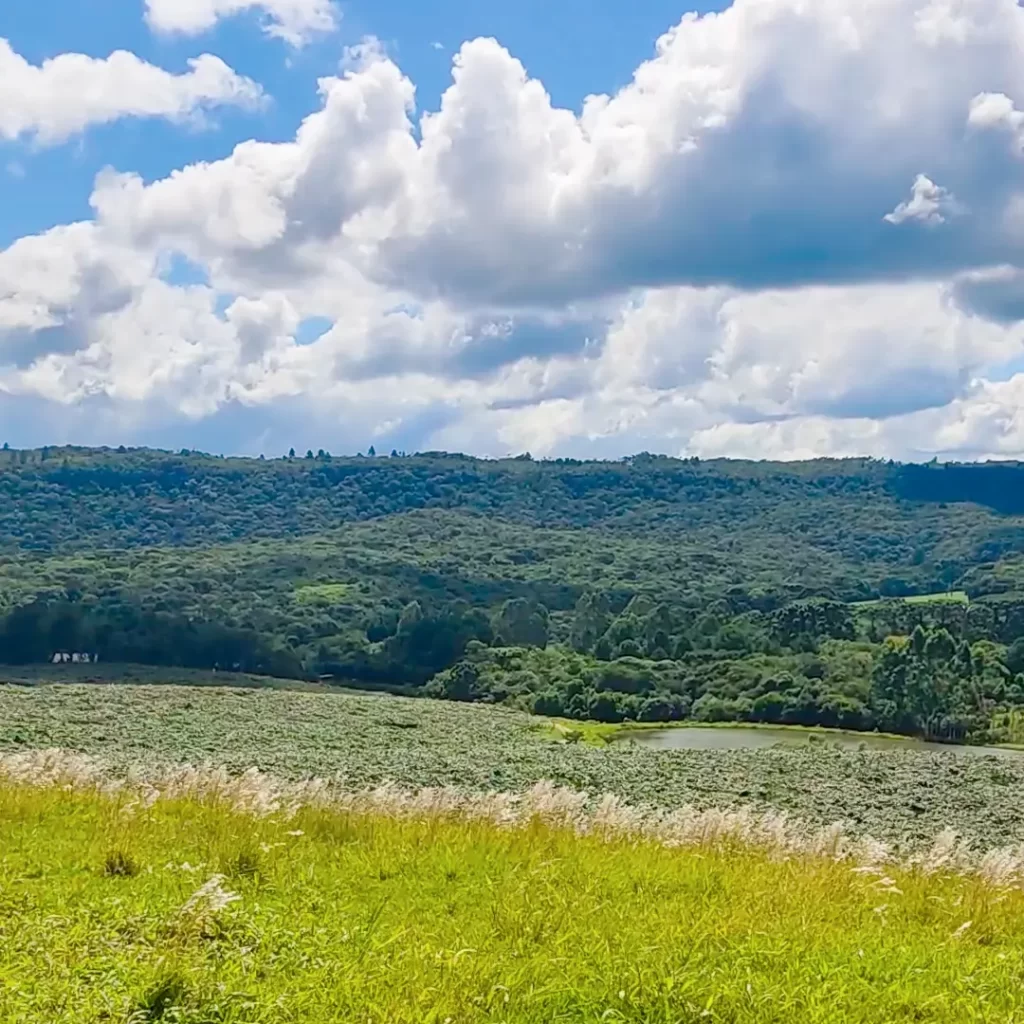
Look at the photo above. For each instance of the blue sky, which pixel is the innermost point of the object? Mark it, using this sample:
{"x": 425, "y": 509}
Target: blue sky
{"x": 794, "y": 230}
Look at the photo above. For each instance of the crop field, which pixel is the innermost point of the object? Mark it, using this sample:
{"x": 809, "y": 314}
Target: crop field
{"x": 212, "y": 902}
{"x": 900, "y": 797}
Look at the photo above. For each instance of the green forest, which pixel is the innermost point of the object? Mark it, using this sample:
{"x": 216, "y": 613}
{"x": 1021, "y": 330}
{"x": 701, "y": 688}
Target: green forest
{"x": 853, "y": 593}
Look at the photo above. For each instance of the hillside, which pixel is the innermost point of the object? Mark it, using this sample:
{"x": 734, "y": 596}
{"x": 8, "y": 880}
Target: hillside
{"x": 877, "y": 527}
{"x": 650, "y": 587}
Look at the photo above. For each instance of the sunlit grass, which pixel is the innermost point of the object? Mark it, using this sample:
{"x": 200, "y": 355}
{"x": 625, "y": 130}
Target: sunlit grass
{"x": 942, "y": 597}
{"x": 322, "y": 593}
{"x": 188, "y": 911}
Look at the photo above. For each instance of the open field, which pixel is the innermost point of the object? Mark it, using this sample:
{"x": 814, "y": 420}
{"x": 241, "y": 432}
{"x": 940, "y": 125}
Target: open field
{"x": 362, "y": 740}
{"x": 189, "y": 911}
{"x": 147, "y": 675}
{"x": 943, "y": 597}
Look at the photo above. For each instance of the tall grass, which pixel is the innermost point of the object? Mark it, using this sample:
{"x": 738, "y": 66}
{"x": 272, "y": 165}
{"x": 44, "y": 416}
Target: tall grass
{"x": 250, "y": 901}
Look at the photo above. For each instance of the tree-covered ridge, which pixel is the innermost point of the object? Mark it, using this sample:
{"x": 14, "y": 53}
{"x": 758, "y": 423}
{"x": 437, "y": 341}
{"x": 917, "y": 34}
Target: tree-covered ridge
{"x": 929, "y": 522}
{"x": 849, "y": 529}
{"x": 649, "y": 588}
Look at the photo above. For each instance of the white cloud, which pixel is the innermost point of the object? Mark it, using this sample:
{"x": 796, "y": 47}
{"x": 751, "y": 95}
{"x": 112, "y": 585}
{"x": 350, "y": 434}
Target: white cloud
{"x": 874, "y": 350}
{"x": 68, "y": 275}
{"x": 743, "y": 153}
{"x": 274, "y": 203}
{"x": 67, "y": 94}
{"x": 996, "y": 110}
{"x": 295, "y": 21}
{"x": 679, "y": 369}
{"x": 928, "y": 204}
{"x": 701, "y": 262}
{"x": 987, "y": 423}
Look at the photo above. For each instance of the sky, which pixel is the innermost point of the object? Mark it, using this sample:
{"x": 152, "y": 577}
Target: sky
{"x": 777, "y": 229}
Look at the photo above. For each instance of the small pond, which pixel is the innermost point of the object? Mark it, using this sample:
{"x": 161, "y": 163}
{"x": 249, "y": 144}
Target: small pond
{"x": 726, "y": 738}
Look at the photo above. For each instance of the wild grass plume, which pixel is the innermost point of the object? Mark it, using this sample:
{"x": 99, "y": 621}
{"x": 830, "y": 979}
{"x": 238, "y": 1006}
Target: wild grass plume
{"x": 257, "y": 794}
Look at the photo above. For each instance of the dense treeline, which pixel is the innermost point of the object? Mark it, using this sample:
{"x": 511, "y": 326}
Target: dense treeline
{"x": 651, "y": 589}
{"x": 809, "y": 663}
{"x": 859, "y": 528}
{"x": 926, "y": 685}
{"x": 998, "y": 485}
{"x": 38, "y": 632}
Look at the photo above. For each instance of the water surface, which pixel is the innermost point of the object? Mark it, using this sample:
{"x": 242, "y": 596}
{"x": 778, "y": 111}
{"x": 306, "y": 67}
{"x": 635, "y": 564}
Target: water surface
{"x": 736, "y": 738}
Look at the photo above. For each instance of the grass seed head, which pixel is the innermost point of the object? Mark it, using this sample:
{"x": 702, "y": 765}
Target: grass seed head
{"x": 261, "y": 795}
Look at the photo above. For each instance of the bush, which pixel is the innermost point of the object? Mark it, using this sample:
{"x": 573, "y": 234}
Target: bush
{"x": 663, "y": 708}
{"x": 550, "y": 705}
{"x": 710, "y": 708}
{"x": 623, "y": 677}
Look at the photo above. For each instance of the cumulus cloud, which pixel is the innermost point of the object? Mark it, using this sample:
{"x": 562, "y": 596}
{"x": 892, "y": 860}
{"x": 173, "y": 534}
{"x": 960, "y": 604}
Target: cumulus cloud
{"x": 273, "y": 208}
{"x": 743, "y": 153}
{"x": 52, "y": 101}
{"x": 985, "y": 424}
{"x": 723, "y": 253}
{"x": 672, "y": 365}
{"x": 295, "y": 21}
{"x": 870, "y": 350}
{"x": 54, "y": 286}
{"x": 996, "y": 110}
{"x": 928, "y": 204}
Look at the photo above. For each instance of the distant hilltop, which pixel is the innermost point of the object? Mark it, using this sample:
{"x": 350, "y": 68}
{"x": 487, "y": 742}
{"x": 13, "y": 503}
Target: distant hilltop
{"x": 485, "y": 484}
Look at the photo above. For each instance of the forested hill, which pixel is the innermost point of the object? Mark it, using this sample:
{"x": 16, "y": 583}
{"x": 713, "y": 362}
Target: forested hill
{"x": 59, "y": 499}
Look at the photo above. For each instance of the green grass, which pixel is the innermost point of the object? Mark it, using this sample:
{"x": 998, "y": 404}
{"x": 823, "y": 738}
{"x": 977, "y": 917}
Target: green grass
{"x": 952, "y": 597}
{"x": 381, "y": 920}
{"x": 323, "y": 593}
{"x": 944, "y": 597}
{"x": 899, "y": 796}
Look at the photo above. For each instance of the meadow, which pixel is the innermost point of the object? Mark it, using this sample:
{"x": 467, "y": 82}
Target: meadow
{"x": 942, "y": 597}
{"x": 204, "y": 900}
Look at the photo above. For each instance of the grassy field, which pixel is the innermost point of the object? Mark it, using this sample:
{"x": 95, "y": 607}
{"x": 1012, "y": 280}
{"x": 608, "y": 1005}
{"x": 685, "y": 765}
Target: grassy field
{"x": 943, "y": 597}
{"x": 187, "y": 911}
{"x": 148, "y": 675}
{"x": 360, "y": 740}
